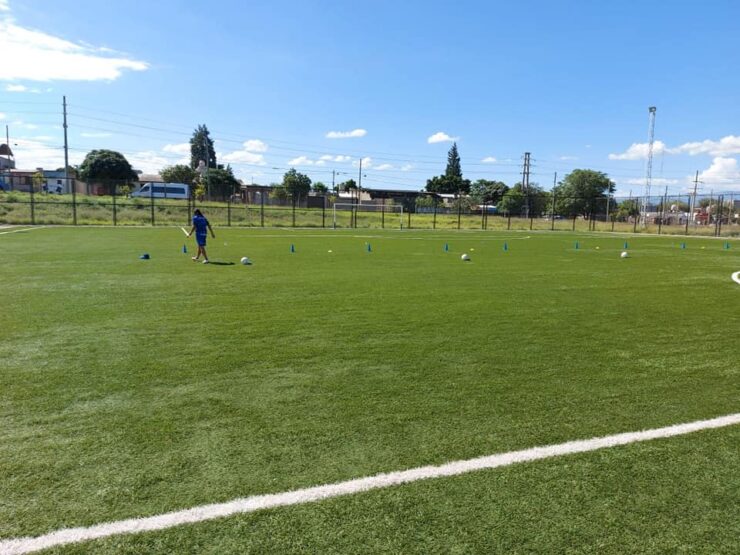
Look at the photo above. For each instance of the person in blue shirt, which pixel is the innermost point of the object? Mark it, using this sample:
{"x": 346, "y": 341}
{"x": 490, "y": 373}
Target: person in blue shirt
{"x": 201, "y": 228}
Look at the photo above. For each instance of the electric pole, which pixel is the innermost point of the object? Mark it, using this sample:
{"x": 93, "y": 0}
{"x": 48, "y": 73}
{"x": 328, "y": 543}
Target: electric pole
{"x": 66, "y": 162}
{"x": 649, "y": 165}
{"x": 696, "y": 185}
{"x": 525, "y": 183}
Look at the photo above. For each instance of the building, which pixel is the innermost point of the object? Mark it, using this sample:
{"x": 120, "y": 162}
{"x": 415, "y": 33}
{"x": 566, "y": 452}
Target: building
{"x": 7, "y": 160}
{"x": 51, "y": 181}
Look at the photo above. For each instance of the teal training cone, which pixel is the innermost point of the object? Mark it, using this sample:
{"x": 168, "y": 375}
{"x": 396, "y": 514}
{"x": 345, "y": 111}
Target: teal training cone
{"x": 506, "y": 246}
{"x": 727, "y": 245}
{"x": 683, "y": 245}
{"x": 447, "y": 247}
{"x": 369, "y": 248}
{"x": 625, "y": 245}
{"x": 292, "y": 247}
{"x": 184, "y": 249}
{"x": 577, "y": 245}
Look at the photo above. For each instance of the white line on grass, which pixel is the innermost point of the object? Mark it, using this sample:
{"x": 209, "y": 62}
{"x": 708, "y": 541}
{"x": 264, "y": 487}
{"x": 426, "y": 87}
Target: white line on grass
{"x": 736, "y": 277}
{"x": 259, "y": 502}
{"x": 21, "y": 230}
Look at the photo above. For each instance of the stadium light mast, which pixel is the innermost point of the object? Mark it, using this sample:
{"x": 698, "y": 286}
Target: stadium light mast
{"x": 649, "y": 165}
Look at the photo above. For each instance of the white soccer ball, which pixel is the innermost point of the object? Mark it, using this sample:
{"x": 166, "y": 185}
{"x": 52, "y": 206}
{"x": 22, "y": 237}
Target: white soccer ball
{"x": 245, "y": 261}
{"x": 465, "y": 258}
{"x": 624, "y": 254}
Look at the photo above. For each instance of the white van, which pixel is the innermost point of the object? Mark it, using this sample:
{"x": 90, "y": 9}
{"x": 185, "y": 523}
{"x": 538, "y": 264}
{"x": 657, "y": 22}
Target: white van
{"x": 163, "y": 190}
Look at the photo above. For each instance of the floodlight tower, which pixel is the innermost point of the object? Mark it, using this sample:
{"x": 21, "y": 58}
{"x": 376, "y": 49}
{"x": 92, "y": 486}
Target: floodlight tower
{"x": 649, "y": 167}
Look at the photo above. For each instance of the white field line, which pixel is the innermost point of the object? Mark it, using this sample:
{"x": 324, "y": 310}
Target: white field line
{"x": 21, "y": 230}
{"x": 259, "y": 502}
{"x": 736, "y": 277}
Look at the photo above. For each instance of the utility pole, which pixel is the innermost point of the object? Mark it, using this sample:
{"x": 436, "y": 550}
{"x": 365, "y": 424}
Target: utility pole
{"x": 696, "y": 185}
{"x": 66, "y": 162}
{"x": 649, "y": 165}
{"x": 525, "y": 183}
{"x": 359, "y": 190}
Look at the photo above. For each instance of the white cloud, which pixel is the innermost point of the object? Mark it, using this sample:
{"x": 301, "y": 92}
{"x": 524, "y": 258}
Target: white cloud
{"x": 723, "y": 171}
{"x": 489, "y": 160}
{"x": 38, "y": 56}
{"x": 95, "y": 135}
{"x": 2, "y": 115}
{"x": 15, "y": 88}
{"x": 726, "y": 145}
{"x": 148, "y": 161}
{"x": 568, "y": 158}
{"x": 338, "y": 158}
{"x": 346, "y": 134}
{"x": 441, "y": 137}
{"x": 301, "y": 161}
{"x": 384, "y": 167}
{"x": 30, "y": 153}
{"x": 639, "y": 151}
{"x": 407, "y": 167}
{"x": 255, "y": 145}
{"x": 243, "y": 157}
{"x": 24, "y": 125}
{"x": 178, "y": 148}
{"x": 4, "y": 7}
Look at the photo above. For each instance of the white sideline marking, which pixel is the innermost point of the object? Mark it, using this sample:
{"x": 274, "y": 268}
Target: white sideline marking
{"x": 259, "y": 502}
{"x": 21, "y": 230}
{"x": 736, "y": 277}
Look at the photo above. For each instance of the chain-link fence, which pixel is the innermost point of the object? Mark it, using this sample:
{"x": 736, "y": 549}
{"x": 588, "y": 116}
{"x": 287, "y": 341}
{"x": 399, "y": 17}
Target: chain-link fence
{"x": 114, "y": 204}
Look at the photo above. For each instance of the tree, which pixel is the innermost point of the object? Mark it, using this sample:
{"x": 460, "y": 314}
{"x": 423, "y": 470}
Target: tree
{"x": 179, "y": 173}
{"x": 515, "y": 201}
{"x": 201, "y": 148}
{"x": 107, "y": 167}
{"x": 279, "y": 192}
{"x": 452, "y": 181}
{"x": 296, "y": 184}
{"x": 627, "y": 209}
{"x": 487, "y": 192}
{"x": 319, "y": 187}
{"x": 347, "y": 186}
{"x": 221, "y": 182}
{"x": 38, "y": 180}
{"x": 582, "y": 193}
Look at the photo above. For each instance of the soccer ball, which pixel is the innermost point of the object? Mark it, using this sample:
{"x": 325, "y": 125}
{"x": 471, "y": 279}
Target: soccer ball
{"x": 624, "y": 254}
{"x": 465, "y": 258}
{"x": 245, "y": 261}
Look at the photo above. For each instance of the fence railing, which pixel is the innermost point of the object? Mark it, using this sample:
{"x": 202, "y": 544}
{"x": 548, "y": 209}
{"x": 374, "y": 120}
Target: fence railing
{"x": 704, "y": 215}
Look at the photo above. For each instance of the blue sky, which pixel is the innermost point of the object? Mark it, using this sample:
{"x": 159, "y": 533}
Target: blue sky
{"x": 394, "y": 82}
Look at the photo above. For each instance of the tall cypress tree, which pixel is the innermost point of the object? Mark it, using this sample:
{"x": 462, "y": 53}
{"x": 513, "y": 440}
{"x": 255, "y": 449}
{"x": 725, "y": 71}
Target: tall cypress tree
{"x": 453, "y": 163}
{"x": 201, "y": 148}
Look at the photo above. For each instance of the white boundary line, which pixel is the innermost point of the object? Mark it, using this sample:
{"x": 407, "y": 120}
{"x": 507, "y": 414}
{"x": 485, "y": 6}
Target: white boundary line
{"x": 21, "y": 230}
{"x": 736, "y": 277}
{"x": 202, "y": 513}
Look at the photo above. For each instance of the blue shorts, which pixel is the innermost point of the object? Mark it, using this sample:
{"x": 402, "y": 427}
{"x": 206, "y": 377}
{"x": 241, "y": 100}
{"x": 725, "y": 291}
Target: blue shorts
{"x": 201, "y": 239}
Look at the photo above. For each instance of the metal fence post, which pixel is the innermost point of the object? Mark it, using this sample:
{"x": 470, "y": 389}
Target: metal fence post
{"x": 33, "y": 210}
{"x": 720, "y": 202}
{"x": 552, "y": 223}
{"x": 409, "y": 217}
{"x": 151, "y": 201}
{"x": 434, "y": 219}
{"x": 459, "y": 211}
{"x": 293, "y": 210}
{"x": 115, "y": 219}
{"x": 382, "y": 216}
{"x": 74, "y": 200}
{"x": 323, "y": 212}
{"x": 228, "y": 213}
{"x": 262, "y": 209}
{"x": 574, "y": 222}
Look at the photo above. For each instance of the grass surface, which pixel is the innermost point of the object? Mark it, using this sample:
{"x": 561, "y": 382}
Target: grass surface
{"x": 131, "y": 388}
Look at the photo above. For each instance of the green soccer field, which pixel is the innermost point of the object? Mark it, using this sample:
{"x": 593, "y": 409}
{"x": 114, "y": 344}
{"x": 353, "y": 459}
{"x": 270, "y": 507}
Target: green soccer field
{"x": 131, "y": 388}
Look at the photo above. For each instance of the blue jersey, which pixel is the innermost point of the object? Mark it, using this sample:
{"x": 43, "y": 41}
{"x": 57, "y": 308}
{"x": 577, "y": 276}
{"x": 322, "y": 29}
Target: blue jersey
{"x": 201, "y": 225}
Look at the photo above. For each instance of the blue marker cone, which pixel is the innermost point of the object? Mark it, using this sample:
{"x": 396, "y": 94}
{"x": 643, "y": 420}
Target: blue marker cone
{"x": 625, "y": 245}
{"x": 727, "y": 245}
{"x": 447, "y": 247}
{"x": 292, "y": 247}
{"x": 506, "y": 247}
{"x": 683, "y": 245}
{"x": 369, "y": 248}
{"x": 184, "y": 249}
{"x": 577, "y": 245}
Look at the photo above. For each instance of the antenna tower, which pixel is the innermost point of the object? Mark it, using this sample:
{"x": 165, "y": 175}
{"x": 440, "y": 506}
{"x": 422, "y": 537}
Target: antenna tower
{"x": 649, "y": 167}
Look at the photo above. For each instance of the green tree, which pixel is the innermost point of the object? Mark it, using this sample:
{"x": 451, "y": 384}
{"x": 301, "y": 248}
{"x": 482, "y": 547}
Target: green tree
{"x": 38, "y": 181}
{"x": 427, "y": 202}
{"x": 347, "y": 186}
{"x": 221, "y": 183}
{"x": 297, "y": 184}
{"x": 582, "y": 193}
{"x": 179, "y": 173}
{"x": 487, "y": 192}
{"x": 452, "y": 181}
{"x": 107, "y": 167}
{"x": 514, "y": 202}
{"x": 319, "y": 187}
{"x": 626, "y": 209}
{"x": 201, "y": 148}
{"x": 279, "y": 192}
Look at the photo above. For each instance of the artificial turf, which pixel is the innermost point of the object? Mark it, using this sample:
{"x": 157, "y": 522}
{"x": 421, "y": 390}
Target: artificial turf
{"x": 132, "y": 387}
